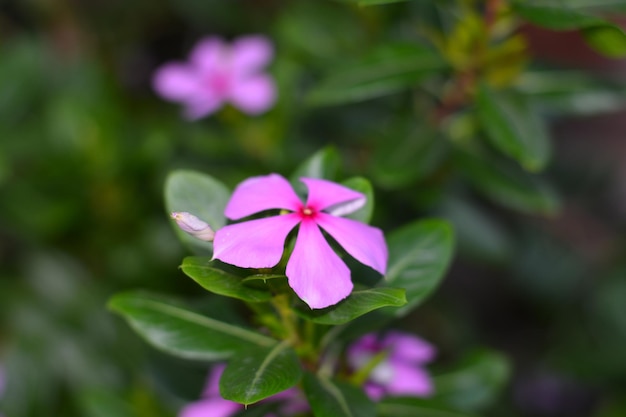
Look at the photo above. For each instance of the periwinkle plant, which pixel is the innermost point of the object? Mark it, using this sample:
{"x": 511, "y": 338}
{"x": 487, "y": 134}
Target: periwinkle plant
{"x": 319, "y": 343}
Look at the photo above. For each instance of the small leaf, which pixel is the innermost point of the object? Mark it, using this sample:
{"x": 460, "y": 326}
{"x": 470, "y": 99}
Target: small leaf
{"x": 388, "y": 69}
{"x": 475, "y": 383}
{"x": 414, "y": 407}
{"x": 255, "y": 374}
{"x": 330, "y": 398}
{"x": 357, "y": 304}
{"x": 419, "y": 255}
{"x": 201, "y": 270}
{"x": 324, "y": 164}
{"x": 602, "y": 35}
{"x": 181, "y": 332}
{"x": 513, "y": 127}
{"x": 201, "y": 195}
{"x": 360, "y": 184}
{"x": 507, "y": 184}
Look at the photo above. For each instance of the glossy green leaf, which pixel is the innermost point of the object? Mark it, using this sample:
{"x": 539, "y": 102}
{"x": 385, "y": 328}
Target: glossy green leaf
{"x": 170, "y": 327}
{"x": 200, "y": 195}
{"x": 330, "y": 398}
{"x": 324, "y": 163}
{"x": 203, "y": 271}
{"x": 386, "y": 70}
{"x": 419, "y": 255}
{"x": 475, "y": 382}
{"x": 602, "y": 35}
{"x": 357, "y": 304}
{"x": 360, "y": 184}
{"x": 415, "y": 407}
{"x": 508, "y": 185}
{"x": 415, "y": 153}
{"x": 572, "y": 92}
{"x": 255, "y": 374}
{"x": 513, "y": 127}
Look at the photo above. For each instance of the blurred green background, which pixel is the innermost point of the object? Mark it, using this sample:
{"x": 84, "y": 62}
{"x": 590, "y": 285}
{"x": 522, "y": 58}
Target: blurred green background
{"x": 499, "y": 116}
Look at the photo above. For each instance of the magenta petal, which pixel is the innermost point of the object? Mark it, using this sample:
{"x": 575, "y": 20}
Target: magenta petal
{"x": 255, "y": 243}
{"x": 211, "y": 407}
{"x": 408, "y": 348}
{"x": 257, "y": 194}
{"x": 202, "y": 106}
{"x": 324, "y": 193}
{"x": 209, "y": 54}
{"x": 410, "y": 380}
{"x": 365, "y": 243}
{"x": 249, "y": 54}
{"x": 253, "y": 95}
{"x": 176, "y": 82}
{"x": 212, "y": 386}
{"x": 315, "y": 272}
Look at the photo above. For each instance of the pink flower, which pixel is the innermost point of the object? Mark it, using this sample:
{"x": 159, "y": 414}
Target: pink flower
{"x": 217, "y": 73}
{"x": 213, "y": 405}
{"x": 401, "y": 372}
{"x": 315, "y": 272}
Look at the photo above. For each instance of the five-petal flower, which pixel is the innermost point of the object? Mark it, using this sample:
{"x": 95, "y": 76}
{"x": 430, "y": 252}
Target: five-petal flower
{"x": 315, "y": 272}
{"x": 217, "y": 73}
{"x": 401, "y": 372}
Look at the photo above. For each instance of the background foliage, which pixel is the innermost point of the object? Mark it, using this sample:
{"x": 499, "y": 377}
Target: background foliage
{"x": 503, "y": 117}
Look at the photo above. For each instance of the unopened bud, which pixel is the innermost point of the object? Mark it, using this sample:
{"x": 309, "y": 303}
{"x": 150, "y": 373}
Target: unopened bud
{"x": 194, "y": 226}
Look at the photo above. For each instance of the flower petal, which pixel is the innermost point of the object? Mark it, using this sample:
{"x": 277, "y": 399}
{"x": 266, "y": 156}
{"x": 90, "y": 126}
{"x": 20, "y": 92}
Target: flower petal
{"x": 249, "y": 54}
{"x": 364, "y": 243}
{"x": 254, "y": 244}
{"x": 261, "y": 193}
{"x": 214, "y": 407}
{"x": 253, "y": 95}
{"x": 408, "y": 348}
{"x": 202, "y": 106}
{"x": 212, "y": 385}
{"x": 315, "y": 271}
{"x": 176, "y": 82}
{"x": 410, "y": 380}
{"x": 324, "y": 194}
{"x": 209, "y": 54}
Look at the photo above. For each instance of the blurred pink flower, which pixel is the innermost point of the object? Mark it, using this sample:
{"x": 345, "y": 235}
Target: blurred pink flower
{"x": 315, "y": 272}
{"x": 401, "y": 372}
{"x": 217, "y": 73}
{"x": 213, "y": 405}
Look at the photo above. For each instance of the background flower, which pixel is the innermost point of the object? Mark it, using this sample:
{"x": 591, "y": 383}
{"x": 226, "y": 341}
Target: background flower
{"x": 217, "y": 73}
{"x": 401, "y": 371}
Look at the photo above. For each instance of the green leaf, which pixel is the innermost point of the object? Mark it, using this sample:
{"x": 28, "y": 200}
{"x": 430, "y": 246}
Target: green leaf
{"x": 508, "y": 185}
{"x": 201, "y": 270}
{"x": 416, "y": 152}
{"x": 357, "y": 304}
{"x": 513, "y": 127}
{"x": 419, "y": 255}
{"x": 181, "y": 332}
{"x": 414, "y": 407}
{"x": 324, "y": 164}
{"x": 330, "y": 398}
{"x": 201, "y": 195}
{"x": 572, "y": 92}
{"x": 475, "y": 382}
{"x": 602, "y": 35}
{"x": 388, "y": 69}
{"x": 255, "y": 374}
{"x": 360, "y": 184}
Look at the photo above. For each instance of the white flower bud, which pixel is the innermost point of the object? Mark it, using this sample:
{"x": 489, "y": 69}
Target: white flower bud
{"x": 194, "y": 226}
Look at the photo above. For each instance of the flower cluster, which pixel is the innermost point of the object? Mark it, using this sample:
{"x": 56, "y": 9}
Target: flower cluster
{"x": 217, "y": 73}
{"x": 400, "y": 370}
